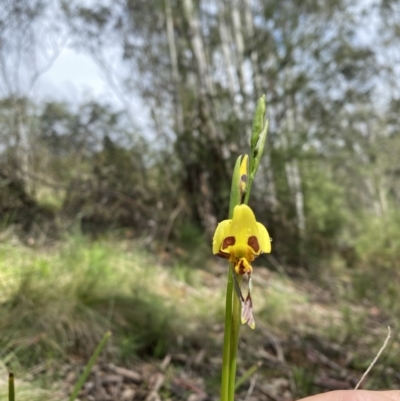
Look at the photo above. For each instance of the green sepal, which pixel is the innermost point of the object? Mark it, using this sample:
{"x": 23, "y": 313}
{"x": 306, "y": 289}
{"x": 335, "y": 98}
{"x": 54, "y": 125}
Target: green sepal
{"x": 258, "y": 139}
{"x": 258, "y": 122}
{"x": 259, "y": 149}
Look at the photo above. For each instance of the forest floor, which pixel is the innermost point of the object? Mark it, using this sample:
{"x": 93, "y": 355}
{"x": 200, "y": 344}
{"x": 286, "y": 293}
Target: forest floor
{"x": 166, "y": 318}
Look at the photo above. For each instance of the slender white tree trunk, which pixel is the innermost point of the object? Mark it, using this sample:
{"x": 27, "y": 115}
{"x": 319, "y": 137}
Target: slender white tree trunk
{"x": 198, "y": 46}
{"x": 374, "y": 196}
{"x": 22, "y": 150}
{"x": 292, "y": 168}
{"x": 228, "y": 56}
{"x": 206, "y": 87}
{"x": 174, "y": 67}
{"x": 239, "y": 41}
{"x": 249, "y": 25}
{"x": 295, "y": 186}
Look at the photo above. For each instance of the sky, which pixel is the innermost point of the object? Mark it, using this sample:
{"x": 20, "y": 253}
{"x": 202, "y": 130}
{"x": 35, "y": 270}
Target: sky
{"x": 74, "y": 77}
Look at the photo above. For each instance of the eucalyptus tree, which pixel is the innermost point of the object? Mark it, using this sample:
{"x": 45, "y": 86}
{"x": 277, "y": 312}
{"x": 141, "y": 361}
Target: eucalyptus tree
{"x": 199, "y": 67}
{"x": 30, "y": 42}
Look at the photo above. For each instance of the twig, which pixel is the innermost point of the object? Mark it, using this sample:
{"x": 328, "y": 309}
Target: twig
{"x": 170, "y": 223}
{"x": 375, "y": 359}
{"x": 278, "y": 266}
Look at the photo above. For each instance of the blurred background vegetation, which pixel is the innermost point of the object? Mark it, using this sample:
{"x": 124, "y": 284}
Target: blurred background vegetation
{"x": 82, "y": 182}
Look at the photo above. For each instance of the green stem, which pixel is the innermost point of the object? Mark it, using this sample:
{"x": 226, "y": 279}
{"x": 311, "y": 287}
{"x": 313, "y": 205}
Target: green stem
{"x": 249, "y": 184}
{"x": 226, "y": 372}
{"x": 232, "y": 324}
{"x": 232, "y": 303}
{"x": 227, "y": 339}
{"x": 236, "y": 317}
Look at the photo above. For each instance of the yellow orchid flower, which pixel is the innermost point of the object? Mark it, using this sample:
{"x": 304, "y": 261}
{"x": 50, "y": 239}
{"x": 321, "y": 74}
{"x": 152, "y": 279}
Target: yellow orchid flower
{"x": 241, "y": 239}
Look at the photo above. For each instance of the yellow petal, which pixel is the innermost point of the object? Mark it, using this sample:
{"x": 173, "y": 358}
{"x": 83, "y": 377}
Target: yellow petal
{"x": 263, "y": 239}
{"x": 242, "y": 235}
{"x": 244, "y": 224}
{"x": 220, "y": 234}
{"x": 244, "y": 168}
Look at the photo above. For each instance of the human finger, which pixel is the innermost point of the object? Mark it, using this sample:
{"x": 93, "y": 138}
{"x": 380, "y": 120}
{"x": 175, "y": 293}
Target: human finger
{"x": 356, "y": 395}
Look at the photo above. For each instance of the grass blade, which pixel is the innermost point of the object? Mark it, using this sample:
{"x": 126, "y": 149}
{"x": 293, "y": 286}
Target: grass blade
{"x": 89, "y": 366}
{"x": 249, "y": 372}
{"x": 11, "y": 388}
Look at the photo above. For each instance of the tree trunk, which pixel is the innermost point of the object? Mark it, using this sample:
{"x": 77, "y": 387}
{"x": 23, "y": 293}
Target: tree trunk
{"x": 249, "y": 25}
{"x": 228, "y": 57}
{"x": 239, "y": 41}
{"x": 174, "y": 67}
{"x": 22, "y": 149}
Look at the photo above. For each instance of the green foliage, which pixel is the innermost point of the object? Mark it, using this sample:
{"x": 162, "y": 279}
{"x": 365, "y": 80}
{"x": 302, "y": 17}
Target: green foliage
{"x": 324, "y": 208}
{"x": 304, "y": 378}
{"x": 376, "y": 261}
{"x": 277, "y": 304}
{"x": 376, "y": 243}
{"x": 187, "y": 246}
{"x": 65, "y": 300}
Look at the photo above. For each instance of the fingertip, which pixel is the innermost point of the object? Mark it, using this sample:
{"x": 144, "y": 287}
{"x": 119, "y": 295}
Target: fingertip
{"x": 356, "y": 395}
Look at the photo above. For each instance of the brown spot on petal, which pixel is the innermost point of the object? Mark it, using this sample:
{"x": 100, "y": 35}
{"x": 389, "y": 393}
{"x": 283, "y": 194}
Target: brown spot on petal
{"x": 222, "y": 254}
{"x": 253, "y": 243}
{"x": 228, "y": 241}
{"x": 240, "y": 267}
